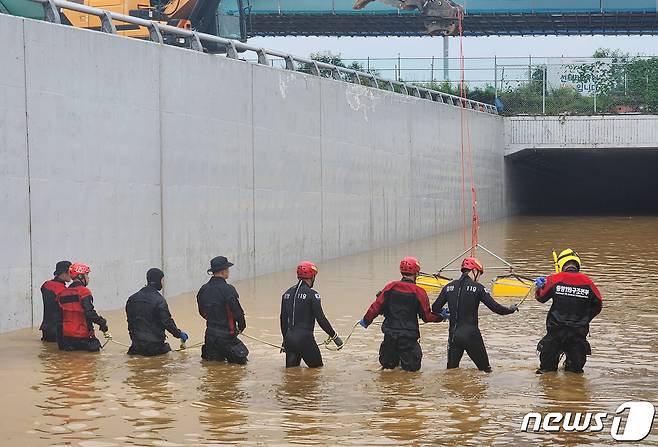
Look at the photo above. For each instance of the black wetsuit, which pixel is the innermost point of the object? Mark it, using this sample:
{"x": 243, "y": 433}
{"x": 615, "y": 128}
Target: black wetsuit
{"x": 301, "y": 307}
{"x": 148, "y": 317}
{"x": 219, "y": 305}
{"x": 463, "y": 297}
{"x": 576, "y": 301}
{"x": 402, "y": 303}
{"x": 51, "y": 311}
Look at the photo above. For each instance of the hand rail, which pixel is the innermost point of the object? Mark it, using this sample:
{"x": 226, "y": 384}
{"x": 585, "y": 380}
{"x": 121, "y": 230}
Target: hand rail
{"x": 157, "y": 30}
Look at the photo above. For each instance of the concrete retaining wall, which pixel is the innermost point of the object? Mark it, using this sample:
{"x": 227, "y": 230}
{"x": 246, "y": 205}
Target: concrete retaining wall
{"x": 126, "y": 154}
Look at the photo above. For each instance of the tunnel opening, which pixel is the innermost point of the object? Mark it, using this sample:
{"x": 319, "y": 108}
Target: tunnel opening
{"x": 583, "y": 181}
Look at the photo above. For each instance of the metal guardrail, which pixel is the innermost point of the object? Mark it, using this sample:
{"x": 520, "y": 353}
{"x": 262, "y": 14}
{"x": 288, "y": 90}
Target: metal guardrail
{"x": 158, "y": 30}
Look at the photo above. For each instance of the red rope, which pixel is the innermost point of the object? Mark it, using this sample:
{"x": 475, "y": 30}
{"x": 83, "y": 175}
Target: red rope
{"x": 462, "y": 94}
{"x": 465, "y": 128}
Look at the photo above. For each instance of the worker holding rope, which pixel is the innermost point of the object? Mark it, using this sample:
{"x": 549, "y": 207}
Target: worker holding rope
{"x": 76, "y": 332}
{"x": 301, "y": 307}
{"x": 219, "y": 305}
{"x": 148, "y": 317}
{"x": 402, "y": 303}
{"x": 576, "y": 301}
{"x": 463, "y": 297}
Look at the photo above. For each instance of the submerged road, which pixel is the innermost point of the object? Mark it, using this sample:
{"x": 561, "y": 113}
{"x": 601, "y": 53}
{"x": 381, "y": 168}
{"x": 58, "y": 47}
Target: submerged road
{"x": 110, "y": 399}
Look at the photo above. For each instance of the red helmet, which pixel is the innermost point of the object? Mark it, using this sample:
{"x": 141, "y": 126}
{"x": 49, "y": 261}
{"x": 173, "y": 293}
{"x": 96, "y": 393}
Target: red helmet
{"x": 306, "y": 270}
{"x": 409, "y": 265}
{"x": 472, "y": 264}
{"x": 78, "y": 269}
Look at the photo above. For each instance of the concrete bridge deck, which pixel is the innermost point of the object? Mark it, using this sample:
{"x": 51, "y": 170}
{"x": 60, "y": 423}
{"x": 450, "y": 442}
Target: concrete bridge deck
{"x": 524, "y": 133}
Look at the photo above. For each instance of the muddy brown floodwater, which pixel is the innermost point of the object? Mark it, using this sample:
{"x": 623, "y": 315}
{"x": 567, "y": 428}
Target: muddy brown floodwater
{"x": 110, "y": 399}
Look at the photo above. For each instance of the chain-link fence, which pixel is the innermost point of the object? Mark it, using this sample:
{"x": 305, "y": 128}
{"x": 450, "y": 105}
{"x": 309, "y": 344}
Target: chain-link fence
{"x": 578, "y": 86}
{"x": 530, "y": 85}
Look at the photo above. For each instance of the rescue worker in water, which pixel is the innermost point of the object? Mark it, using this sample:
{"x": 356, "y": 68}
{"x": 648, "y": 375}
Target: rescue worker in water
{"x": 78, "y": 314}
{"x": 219, "y": 305}
{"x": 401, "y": 303}
{"x": 463, "y": 297}
{"x": 576, "y": 301}
{"x": 300, "y": 308}
{"x": 49, "y": 291}
{"x": 148, "y": 317}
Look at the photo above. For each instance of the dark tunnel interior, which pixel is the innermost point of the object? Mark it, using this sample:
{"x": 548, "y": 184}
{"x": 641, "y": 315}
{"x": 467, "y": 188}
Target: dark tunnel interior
{"x": 583, "y": 181}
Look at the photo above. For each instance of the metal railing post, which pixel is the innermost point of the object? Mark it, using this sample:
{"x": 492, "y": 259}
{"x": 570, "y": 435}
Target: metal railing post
{"x": 106, "y": 23}
{"x": 231, "y": 51}
{"x": 154, "y": 33}
{"x": 290, "y": 63}
{"x": 262, "y": 57}
{"x": 195, "y": 42}
{"x": 51, "y": 12}
{"x": 315, "y": 70}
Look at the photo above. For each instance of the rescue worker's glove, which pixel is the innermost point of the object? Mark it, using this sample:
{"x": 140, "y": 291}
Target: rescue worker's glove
{"x": 106, "y": 334}
{"x": 104, "y": 329}
{"x": 445, "y": 313}
{"x": 540, "y": 282}
{"x": 514, "y": 308}
{"x": 183, "y": 336}
{"x": 363, "y": 323}
{"x": 338, "y": 342}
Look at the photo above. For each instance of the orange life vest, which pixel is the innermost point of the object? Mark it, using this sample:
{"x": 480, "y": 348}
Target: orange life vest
{"x": 74, "y": 322}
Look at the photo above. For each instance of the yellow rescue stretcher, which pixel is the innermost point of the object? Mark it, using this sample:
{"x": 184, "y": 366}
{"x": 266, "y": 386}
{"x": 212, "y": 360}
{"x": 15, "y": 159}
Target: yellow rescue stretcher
{"x": 511, "y": 285}
{"x": 508, "y": 286}
{"x": 432, "y": 283}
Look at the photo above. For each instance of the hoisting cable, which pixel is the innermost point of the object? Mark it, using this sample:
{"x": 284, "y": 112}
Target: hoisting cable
{"x": 466, "y": 135}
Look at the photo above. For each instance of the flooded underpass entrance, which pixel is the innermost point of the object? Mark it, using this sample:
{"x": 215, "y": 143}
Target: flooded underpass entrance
{"x": 584, "y": 181}
{"x": 111, "y": 399}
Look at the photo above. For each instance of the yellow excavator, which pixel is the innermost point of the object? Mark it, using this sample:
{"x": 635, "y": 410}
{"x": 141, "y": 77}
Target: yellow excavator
{"x": 205, "y": 16}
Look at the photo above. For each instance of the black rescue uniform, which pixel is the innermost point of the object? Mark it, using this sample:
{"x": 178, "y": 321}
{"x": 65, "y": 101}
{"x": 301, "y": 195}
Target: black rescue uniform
{"x": 148, "y": 318}
{"x": 402, "y": 303}
{"x": 219, "y": 305}
{"x": 51, "y": 311}
{"x": 301, "y": 307}
{"x": 76, "y": 331}
{"x": 463, "y": 297}
{"x": 576, "y": 301}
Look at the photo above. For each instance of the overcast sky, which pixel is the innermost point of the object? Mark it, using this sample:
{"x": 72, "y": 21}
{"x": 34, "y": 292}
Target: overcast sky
{"x": 360, "y": 47}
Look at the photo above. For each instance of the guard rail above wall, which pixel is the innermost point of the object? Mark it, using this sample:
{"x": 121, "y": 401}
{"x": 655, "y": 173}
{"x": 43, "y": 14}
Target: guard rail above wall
{"x": 157, "y": 30}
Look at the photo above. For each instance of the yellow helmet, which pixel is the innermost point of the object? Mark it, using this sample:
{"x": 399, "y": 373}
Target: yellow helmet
{"x": 566, "y": 256}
